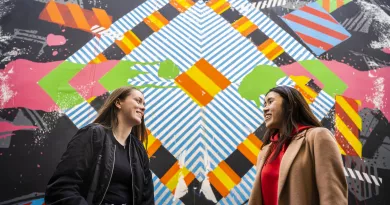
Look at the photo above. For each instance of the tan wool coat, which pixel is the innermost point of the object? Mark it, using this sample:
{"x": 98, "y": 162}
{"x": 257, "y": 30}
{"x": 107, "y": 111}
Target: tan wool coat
{"x": 311, "y": 171}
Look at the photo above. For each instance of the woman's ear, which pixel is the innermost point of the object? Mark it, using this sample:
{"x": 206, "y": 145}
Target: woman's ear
{"x": 118, "y": 103}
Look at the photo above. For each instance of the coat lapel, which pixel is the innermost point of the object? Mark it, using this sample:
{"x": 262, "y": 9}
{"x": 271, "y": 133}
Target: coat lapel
{"x": 288, "y": 159}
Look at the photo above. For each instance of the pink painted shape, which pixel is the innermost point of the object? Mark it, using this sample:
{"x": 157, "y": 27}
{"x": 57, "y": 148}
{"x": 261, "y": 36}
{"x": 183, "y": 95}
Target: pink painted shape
{"x": 9, "y": 127}
{"x": 297, "y": 70}
{"x": 386, "y": 50}
{"x": 360, "y": 84}
{"x": 86, "y": 81}
{"x": 55, "y": 53}
{"x": 23, "y": 76}
{"x": 55, "y": 40}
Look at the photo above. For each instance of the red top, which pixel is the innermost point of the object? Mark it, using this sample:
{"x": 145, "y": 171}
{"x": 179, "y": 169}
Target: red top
{"x": 270, "y": 171}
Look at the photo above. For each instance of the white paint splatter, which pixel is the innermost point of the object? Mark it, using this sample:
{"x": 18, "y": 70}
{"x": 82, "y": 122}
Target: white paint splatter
{"x": 5, "y": 91}
{"x": 378, "y": 93}
{"x": 4, "y": 37}
{"x": 380, "y": 25}
{"x": 13, "y": 53}
{"x": 5, "y": 7}
{"x": 206, "y": 186}
{"x": 181, "y": 187}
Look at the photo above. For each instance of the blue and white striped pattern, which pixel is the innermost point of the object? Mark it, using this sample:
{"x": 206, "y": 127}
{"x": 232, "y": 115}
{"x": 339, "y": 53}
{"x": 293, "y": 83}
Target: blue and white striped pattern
{"x": 242, "y": 191}
{"x": 198, "y": 158}
{"x": 227, "y": 50}
{"x": 274, "y": 31}
{"x": 137, "y": 83}
{"x": 82, "y": 114}
{"x": 228, "y": 120}
{"x": 287, "y": 81}
{"x": 179, "y": 41}
{"x": 97, "y": 45}
{"x": 162, "y": 195}
{"x": 322, "y": 104}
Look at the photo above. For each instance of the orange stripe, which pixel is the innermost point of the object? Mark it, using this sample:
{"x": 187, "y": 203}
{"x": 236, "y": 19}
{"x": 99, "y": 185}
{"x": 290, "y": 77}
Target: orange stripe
{"x": 103, "y": 17}
{"x": 239, "y": 22}
{"x": 230, "y": 172}
{"x": 153, "y": 26}
{"x": 249, "y": 30}
{"x": 220, "y": 80}
{"x": 78, "y": 16}
{"x": 265, "y": 44}
{"x": 161, "y": 18}
{"x": 194, "y": 89}
{"x": 316, "y": 26}
{"x": 326, "y": 4}
{"x": 275, "y": 51}
{"x": 129, "y": 35}
{"x": 339, "y": 3}
{"x": 317, "y": 13}
{"x": 256, "y": 141}
{"x": 189, "y": 178}
{"x": 54, "y": 13}
{"x": 247, "y": 153}
{"x": 315, "y": 42}
{"x": 154, "y": 147}
{"x": 305, "y": 94}
{"x": 217, "y": 184}
{"x": 178, "y": 7}
{"x": 222, "y": 8}
{"x": 170, "y": 173}
{"x": 123, "y": 47}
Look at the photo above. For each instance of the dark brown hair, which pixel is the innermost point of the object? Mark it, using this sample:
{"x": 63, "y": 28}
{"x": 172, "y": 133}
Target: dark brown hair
{"x": 295, "y": 112}
{"x": 108, "y": 113}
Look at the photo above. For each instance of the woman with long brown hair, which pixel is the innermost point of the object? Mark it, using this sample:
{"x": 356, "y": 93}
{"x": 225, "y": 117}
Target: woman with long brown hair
{"x": 300, "y": 162}
{"x": 106, "y": 162}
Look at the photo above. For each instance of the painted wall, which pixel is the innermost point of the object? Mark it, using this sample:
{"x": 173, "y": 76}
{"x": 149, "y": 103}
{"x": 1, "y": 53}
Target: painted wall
{"x": 204, "y": 67}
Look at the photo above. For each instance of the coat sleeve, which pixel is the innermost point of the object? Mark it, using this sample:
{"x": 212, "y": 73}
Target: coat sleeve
{"x": 148, "y": 193}
{"x": 329, "y": 173}
{"x": 65, "y": 184}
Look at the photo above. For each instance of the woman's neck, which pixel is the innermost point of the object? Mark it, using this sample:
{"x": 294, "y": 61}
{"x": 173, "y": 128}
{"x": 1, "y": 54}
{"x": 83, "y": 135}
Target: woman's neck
{"x": 122, "y": 132}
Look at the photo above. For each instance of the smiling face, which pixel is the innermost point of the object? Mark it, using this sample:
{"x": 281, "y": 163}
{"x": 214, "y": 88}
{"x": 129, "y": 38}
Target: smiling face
{"x": 273, "y": 110}
{"x": 132, "y": 108}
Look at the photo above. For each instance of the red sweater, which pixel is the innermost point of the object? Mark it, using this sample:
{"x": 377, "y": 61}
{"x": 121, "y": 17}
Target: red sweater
{"x": 270, "y": 171}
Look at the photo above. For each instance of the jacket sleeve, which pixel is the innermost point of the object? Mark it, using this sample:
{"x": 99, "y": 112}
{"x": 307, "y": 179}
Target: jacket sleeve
{"x": 148, "y": 193}
{"x": 329, "y": 173}
{"x": 65, "y": 184}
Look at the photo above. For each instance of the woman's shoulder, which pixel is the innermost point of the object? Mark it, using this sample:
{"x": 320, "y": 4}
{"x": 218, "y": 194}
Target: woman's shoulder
{"x": 319, "y": 134}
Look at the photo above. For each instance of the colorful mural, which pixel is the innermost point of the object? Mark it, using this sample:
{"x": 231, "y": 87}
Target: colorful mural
{"x": 204, "y": 67}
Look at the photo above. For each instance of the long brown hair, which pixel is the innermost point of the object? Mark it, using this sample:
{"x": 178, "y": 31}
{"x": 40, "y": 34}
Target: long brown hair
{"x": 108, "y": 113}
{"x": 295, "y": 112}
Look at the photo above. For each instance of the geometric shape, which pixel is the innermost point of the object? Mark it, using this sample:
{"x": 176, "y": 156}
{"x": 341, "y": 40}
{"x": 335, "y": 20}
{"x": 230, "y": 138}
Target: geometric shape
{"x": 142, "y": 31}
{"x": 56, "y": 84}
{"x": 182, "y": 5}
{"x": 169, "y": 12}
{"x": 244, "y": 26}
{"x": 270, "y": 49}
{"x": 156, "y": 21}
{"x": 306, "y": 91}
{"x": 348, "y": 123}
{"x": 231, "y": 15}
{"x": 202, "y": 82}
{"x": 128, "y": 42}
{"x": 119, "y": 75}
{"x": 240, "y": 168}
{"x": 331, "y": 5}
{"x": 333, "y": 85}
{"x": 81, "y": 115}
{"x": 219, "y": 6}
{"x": 72, "y": 15}
{"x": 317, "y": 28}
{"x": 257, "y": 37}
{"x": 162, "y": 194}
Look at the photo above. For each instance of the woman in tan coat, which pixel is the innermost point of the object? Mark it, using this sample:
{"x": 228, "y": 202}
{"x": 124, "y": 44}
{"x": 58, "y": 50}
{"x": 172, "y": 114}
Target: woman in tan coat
{"x": 299, "y": 163}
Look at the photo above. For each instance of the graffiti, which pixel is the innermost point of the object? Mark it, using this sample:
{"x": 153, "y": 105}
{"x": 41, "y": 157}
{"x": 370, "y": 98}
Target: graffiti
{"x": 204, "y": 68}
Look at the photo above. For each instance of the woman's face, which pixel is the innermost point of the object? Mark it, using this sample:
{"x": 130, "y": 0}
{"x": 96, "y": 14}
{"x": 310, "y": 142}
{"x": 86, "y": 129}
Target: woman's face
{"x": 132, "y": 107}
{"x": 273, "y": 110}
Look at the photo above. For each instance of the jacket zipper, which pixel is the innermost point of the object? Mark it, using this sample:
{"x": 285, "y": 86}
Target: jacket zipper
{"x": 132, "y": 175}
{"x": 109, "y": 181}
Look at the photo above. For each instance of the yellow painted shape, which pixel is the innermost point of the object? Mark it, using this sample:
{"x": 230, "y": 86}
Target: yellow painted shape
{"x": 349, "y": 136}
